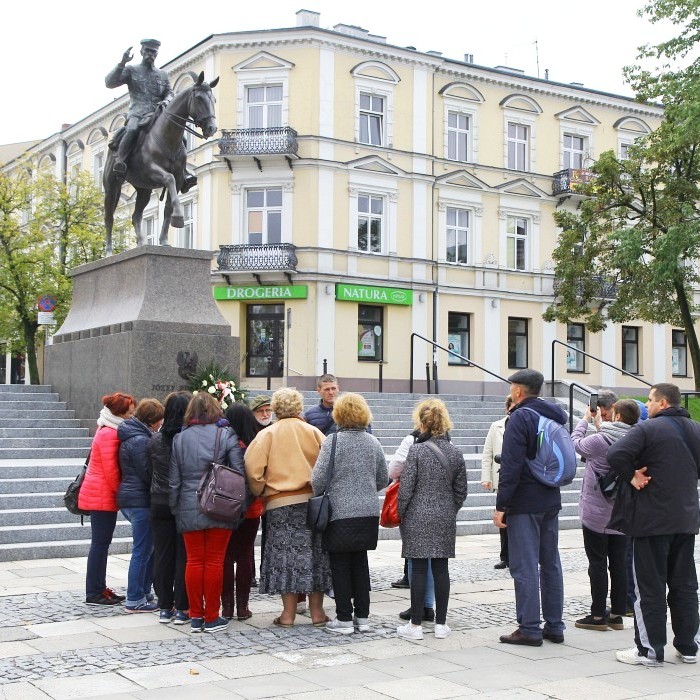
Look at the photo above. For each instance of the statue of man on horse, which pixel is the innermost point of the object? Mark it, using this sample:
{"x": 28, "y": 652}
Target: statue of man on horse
{"x": 149, "y": 151}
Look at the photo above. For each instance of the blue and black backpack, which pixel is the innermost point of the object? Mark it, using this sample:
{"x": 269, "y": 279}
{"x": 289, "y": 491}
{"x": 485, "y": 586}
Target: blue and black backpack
{"x": 554, "y": 463}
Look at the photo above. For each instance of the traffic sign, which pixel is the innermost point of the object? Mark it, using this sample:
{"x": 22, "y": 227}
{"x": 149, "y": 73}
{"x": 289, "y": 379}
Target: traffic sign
{"x": 46, "y": 318}
{"x": 47, "y": 302}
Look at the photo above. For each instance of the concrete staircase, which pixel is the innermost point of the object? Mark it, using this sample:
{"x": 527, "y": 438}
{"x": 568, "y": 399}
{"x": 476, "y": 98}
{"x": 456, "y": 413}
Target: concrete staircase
{"x": 43, "y": 447}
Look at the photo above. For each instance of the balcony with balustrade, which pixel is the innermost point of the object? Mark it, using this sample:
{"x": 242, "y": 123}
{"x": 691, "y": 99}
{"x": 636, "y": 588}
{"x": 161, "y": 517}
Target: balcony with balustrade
{"x": 274, "y": 260}
{"x": 571, "y": 181}
{"x": 259, "y": 143}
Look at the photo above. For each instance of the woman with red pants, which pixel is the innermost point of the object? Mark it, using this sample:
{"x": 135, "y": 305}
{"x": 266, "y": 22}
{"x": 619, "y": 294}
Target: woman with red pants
{"x": 201, "y": 442}
{"x": 240, "y": 551}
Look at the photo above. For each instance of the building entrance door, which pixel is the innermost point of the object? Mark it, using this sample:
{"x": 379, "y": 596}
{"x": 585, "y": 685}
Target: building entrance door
{"x": 265, "y": 340}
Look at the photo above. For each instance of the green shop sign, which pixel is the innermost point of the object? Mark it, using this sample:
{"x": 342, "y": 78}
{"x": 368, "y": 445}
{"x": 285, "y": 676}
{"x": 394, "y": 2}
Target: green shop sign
{"x": 257, "y": 292}
{"x": 376, "y": 295}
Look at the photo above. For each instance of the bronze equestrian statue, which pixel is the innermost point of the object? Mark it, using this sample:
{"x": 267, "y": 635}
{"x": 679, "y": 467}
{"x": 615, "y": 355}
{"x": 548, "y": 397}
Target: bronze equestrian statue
{"x": 149, "y": 151}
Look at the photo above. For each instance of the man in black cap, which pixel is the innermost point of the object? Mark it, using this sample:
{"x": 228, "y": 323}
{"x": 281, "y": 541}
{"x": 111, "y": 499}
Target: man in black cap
{"x": 149, "y": 87}
{"x": 530, "y": 511}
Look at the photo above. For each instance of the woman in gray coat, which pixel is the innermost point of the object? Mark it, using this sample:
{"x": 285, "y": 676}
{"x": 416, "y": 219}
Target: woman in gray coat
{"x": 432, "y": 489}
{"x": 201, "y": 442}
{"x": 352, "y": 481}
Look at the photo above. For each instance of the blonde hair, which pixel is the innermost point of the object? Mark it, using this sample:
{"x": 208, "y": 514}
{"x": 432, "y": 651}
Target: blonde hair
{"x": 351, "y": 411}
{"x": 431, "y": 416}
{"x": 287, "y": 403}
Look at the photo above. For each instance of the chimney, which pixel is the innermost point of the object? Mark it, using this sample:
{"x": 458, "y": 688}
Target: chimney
{"x": 469, "y": 58}
{"x": 308, "y": 18}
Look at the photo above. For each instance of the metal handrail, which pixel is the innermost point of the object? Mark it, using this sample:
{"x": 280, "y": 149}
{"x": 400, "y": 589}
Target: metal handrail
{"x": 571, "y": 402}
{"x": 449, "y": 352}
{"x": 593, "y": 357}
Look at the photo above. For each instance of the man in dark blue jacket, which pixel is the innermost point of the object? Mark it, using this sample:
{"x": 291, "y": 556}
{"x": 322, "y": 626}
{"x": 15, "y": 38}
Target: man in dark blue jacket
{"x": 321, "y": 415}
{"x": 530, "y": 511}
{"x": 660, "y": 458}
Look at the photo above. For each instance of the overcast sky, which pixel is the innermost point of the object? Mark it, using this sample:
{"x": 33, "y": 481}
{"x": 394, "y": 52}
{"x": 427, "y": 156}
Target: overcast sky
{"x": 55, "y": 54}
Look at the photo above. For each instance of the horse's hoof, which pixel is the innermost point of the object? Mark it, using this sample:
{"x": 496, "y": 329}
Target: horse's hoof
{"x": 177, "y": 221}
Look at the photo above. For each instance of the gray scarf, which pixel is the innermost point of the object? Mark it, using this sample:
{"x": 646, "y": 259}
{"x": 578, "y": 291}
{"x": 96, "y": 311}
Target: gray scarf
{"x": 614, "y": 431}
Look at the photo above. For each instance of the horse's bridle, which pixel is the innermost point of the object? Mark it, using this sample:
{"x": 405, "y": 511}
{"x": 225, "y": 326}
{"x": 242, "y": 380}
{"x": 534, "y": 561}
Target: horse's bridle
{"x": 186, "y": 121}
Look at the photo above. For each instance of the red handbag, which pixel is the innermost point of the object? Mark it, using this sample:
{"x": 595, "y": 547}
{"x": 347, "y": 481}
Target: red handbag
{"x": 390, "y": 508}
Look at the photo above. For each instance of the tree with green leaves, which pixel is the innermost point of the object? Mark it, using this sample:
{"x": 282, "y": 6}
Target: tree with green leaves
{"x": 46, "y": 228}
{"x": 631, "y": 250}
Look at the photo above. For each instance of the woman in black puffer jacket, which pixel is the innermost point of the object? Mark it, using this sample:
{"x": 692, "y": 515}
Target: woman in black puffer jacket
{"x": 134, "y": 500}
{"x": 169, "y": 556}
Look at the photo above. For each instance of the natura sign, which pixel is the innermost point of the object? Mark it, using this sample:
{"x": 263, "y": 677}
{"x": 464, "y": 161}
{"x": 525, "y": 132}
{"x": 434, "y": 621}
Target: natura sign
{"x": 374, "y": 295}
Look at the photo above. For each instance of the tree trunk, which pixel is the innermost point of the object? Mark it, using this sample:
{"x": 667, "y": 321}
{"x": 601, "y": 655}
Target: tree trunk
{"x": 29, "y": 330}
{"x": 690, "y": 332}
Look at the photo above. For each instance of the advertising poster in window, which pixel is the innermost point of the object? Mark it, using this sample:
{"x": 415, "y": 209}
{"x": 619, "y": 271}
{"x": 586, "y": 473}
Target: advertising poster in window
{"x": 676, "y": 362}
{"x": 366, "y": 346}
{"x": 454, "y": 343}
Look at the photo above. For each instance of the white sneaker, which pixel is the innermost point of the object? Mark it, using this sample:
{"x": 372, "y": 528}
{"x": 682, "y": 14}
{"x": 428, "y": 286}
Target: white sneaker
{"x": 409, "y": 631}
{"x": 340, "y": 626}
{"x": 442, "y": 631}
{"x": 686, "y": 659}
{"x": 361, "y": 624}
{"x": 634, "y": 658}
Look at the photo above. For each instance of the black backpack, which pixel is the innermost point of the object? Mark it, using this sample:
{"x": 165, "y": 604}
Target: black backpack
{"x": 70, "y": 498}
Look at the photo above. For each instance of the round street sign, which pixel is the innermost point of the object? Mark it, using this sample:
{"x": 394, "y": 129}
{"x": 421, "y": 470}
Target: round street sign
{"x": 46, "y": 303}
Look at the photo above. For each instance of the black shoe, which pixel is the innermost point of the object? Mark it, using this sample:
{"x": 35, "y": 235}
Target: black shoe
{"x": 615, "y": 622}
{"x": 100, "y": 599}
{"x": 189, "y": 183}
{"x": 552, "y": 637}
{"x": 428, "y": 615}
{"x": 589, "y": 622}
{"x": 401, "y": 583}
{"x": 519, "y": 638}
{"x": 501, "y": 565}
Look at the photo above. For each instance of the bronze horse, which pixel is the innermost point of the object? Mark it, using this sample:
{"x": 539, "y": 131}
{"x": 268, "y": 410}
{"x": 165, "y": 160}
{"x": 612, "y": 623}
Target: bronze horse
{"x": 159, "y": 159}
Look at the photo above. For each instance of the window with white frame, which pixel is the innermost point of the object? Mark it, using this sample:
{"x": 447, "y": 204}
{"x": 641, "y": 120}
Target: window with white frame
{"x": 370, "y": 222}
{"x": 518, "y": 146}
{"x": 264, "y": 215}
{"x": 263, "y": 106}
{"x": 372, "y": 113}
{"x": 190, "y": 141}
{"x": 98, "y": 168}
{"x": 518, "y": 342}
{"x": 679, "y": 354}
{"x": 517, "y": 228}
{"x": 184, "y": 238}
{"x": 574, "y": 151}
{"x": 457, "y": 235}
{"x": 149, "y": 228}
{"x": 630, "y": 349}
{"x": 458, "y": 134}
{"x": 576, "y": 339}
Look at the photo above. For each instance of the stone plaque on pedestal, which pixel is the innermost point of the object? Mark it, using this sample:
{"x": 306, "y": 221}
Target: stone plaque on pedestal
{"x": 138, "y": 323}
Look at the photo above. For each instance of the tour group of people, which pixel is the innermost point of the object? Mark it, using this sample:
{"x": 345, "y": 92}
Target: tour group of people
{"x": 148, "y": 458}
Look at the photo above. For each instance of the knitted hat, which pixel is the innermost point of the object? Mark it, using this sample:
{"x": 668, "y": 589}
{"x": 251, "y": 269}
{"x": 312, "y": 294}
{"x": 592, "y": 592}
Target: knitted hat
{"x": 259, "y": 402}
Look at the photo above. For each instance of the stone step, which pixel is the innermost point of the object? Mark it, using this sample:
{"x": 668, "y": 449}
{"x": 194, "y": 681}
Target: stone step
{"x": 52, "y": 452}
{"x": 41, "y": 516}
{"x": 44, "y": 432}
{"x": 63, "y": 423}
{"x": 40, "y": 443}
{"x": 25, "y": 389}
{"x": 456, "y": 433}
{"x": 37, "y": 501}
{"x": 52, "y": 484}
{"x": 14, "y": 469}
{"x": 51, "y": 532}
{"x": 28, "y": 397}
{"x": 35, "y": 417}
{"x": 20, "y": 551}
{"x": 23, "y": 404}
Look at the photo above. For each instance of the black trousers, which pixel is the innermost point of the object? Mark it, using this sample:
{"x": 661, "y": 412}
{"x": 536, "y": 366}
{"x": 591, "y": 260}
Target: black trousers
{"x": 169, "y": 559}
{"x": 503, "y": 532}
{"x": 661, "y": 562}
{"x": 606, "y": 552}
{"x": 350, "y": 572}
{"x": 441, "y": 577}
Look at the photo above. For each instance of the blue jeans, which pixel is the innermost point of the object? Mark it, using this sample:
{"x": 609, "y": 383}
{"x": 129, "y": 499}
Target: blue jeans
{"x": 429, "y": 584}
{"x": 102, "y": 524}
{"x": 533, "y": 553}
{"x": 140, "y": 575}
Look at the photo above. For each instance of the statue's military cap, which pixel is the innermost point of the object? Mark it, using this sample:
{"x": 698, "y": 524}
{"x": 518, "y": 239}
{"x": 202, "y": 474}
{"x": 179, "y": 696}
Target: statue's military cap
{"x": 150, "y": 44}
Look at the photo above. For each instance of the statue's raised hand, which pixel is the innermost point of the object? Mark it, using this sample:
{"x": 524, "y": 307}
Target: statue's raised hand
{"x": 127, "y": 56}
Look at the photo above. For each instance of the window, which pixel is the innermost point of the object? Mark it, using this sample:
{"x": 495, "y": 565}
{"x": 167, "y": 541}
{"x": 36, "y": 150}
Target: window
{"x": 150, "y": 230}
{"x": 630, "y": 349}
{"x": 518, "y": 146}
{"x": 185, "y": 236}
{"x": 517, "y": 343}
{"x": 574, "y": 151}
{"x": 98, "y": 168}
{"x": 371, "y": 119}
{"x": 370, "y": 218}
{"x": 457, "y": 337}
{"x": 264, "y": 106}
{"x": 457, "y": 235}
{"x": 457, "y": 136}
{"x": 264, "y": 215}
{"x": 516, "y": 242}
{"x": 190, "y": 141}
{"x": 265, "y": 340}
{"x": 370, "y": 326}
{"x": 576, "y": 337}
{"x": 679, "y": 354}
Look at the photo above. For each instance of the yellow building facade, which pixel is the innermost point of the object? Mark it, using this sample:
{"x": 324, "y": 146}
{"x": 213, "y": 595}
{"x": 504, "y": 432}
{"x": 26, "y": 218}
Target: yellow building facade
{"x": 358, "y": 193}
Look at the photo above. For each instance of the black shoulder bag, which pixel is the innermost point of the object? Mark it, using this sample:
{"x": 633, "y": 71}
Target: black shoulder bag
{"x": 318, "y": 509}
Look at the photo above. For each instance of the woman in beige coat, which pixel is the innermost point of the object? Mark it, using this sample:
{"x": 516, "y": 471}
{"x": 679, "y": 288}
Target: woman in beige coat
{"x": 489, "y": 472}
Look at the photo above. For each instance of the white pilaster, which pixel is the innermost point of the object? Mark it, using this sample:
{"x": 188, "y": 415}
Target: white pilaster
{"x": 492, "y": 333}
{"x": 659, "y": 363}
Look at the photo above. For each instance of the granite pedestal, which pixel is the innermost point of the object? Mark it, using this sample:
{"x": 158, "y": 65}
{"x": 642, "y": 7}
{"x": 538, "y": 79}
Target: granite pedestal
{"x": 136, "y": 323}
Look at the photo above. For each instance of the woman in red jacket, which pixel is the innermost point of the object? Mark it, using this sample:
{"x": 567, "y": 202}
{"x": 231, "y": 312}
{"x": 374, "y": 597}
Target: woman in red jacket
{"x": 98, "y": 494}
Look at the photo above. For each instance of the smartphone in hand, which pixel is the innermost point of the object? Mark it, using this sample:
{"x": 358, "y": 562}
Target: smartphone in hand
{"x": 593, "y": 403}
